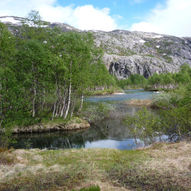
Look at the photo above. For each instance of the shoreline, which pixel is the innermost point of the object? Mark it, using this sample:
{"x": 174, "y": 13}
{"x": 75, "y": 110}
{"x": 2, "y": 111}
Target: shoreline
{"x": 74, "y": 124}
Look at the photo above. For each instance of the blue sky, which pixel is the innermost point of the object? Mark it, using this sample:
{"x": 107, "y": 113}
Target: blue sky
{"x": 161, "y": 16}
{"x": 126, "y": 12}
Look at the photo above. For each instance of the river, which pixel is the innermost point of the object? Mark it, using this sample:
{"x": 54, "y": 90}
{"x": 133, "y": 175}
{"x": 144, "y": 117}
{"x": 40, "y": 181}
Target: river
{"x": 108, "y": 133}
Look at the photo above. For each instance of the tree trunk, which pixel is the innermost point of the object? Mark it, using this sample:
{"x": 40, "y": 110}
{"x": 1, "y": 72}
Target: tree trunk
{"x": 1, "y": 110}
{"x": 63, "y": 107}
{"x": 43, "y": 100}
{"x": 81, "y": 103}
{"x": 69, "y": 100}
{"x": 54, "y": 109}
{"x": 34, "y": 102}
{"x": 72, "y": 107}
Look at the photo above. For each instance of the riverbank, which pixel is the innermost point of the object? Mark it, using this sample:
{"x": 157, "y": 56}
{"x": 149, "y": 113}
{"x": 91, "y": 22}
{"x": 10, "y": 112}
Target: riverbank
{"x": 161, "y": 167}
{"x": 57, "y": 125}
{"x": 101, "y": 92}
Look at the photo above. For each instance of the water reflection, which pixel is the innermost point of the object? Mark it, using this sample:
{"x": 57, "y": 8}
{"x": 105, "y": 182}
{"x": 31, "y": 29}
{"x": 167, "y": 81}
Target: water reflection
{"x": 128, "y": 144}
{"x": 94, "y": 137}
{"x": 109, "y": 133}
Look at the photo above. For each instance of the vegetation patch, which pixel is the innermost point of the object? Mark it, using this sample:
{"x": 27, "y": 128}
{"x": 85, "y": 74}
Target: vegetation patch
{"x": 64, "y": 170}
{"x": 106, "y": 91}
{"x": 45, "y": 74}
{"x": 138, "y": 102}
{"x": 90, "y": 188}
{"x": 148, "y": 180}
{"x": 74, "y": 123}
{"x": 43, "y": 181}
{"x": 6, "y": 158}
{"x": 167, "y": 169}
{"x": 160, "y": 167}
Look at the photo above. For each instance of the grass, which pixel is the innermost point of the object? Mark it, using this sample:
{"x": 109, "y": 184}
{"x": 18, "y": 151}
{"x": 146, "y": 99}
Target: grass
{"x": 46, "y": 121}
{"x": 91, "y": 188}
{"x": 6, "y": 158}
{"x": 105, "y": 91}
{"x": 44, "y": 181}
{"x": 138, "y": 102}
{"x": 161, "y": 167}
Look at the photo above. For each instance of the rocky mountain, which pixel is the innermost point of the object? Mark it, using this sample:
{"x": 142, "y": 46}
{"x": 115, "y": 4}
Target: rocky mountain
{"x": 128, "y": 52}
{"x": 14, "y": 23}
{"x": 142, "y": 53}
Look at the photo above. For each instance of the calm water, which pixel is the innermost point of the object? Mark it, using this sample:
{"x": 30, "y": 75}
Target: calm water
{"x": 128, "y": 95}
{"x": 109, "y": 133}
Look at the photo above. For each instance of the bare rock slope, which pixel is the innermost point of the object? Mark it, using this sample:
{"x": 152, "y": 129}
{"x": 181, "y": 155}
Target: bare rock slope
{"x": 142, "y": 53}
{"x": 128, "y": 52}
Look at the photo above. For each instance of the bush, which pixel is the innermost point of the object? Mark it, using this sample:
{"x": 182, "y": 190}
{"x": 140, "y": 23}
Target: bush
{"x": 135, "y": 80}
{"x": 144, "y": 124}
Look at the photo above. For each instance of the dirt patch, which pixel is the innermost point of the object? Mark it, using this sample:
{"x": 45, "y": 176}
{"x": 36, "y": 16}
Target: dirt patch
{"x": 136, "y": 102}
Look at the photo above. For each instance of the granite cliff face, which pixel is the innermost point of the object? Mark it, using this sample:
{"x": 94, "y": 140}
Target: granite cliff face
{"x": 142, "y": 53}
{"x": 128, "y": 52}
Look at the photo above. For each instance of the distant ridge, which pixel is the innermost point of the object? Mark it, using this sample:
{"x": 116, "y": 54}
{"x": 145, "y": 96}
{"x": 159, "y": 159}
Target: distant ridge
{"x": 127, "y": 52}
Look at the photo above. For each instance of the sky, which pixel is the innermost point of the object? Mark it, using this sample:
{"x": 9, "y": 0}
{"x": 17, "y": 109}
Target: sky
{"x": 171, "y": 17}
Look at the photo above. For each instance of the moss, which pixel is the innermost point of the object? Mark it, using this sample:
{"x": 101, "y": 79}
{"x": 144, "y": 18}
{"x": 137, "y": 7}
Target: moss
{"x": 125, "y": 51}
{"x": 164, "y": 51}
{"x": 167, "y": 43}
{"x": 150, "y": 55}
{"x": 168, "y": 59}
{"x": 148, "y": 44}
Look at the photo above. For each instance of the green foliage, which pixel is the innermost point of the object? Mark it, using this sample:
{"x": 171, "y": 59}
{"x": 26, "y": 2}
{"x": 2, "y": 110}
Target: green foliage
{"x": 176, "y": 122}
{"x": 134, "y": 80}
{"x": 168, "y": 58}
{"x": 34, "y": 16}
{"x": 91, "y": 188}
{"x": 161, "y": 79}
{"x": 170, "y": 80}
{"x": 173, "y": 117}
{"x": 45, "y": 72}
{"x": 96, "y": 111}
{"x": 184, "y": 76}
{"x": 148, "y": 44}
{"x": 144, "y": 124}
{"x": 158, "y": 81}
{"x": 9, "y": 87}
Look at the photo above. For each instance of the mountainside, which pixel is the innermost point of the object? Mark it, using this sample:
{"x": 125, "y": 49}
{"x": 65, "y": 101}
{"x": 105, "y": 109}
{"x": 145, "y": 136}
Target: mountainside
{"x": 142, "y": 53}
{"x": 128, "y": 52}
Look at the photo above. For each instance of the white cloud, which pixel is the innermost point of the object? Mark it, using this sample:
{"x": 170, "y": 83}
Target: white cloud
{"x": 85, "y": 17}
{"x": 172, "y": 19}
